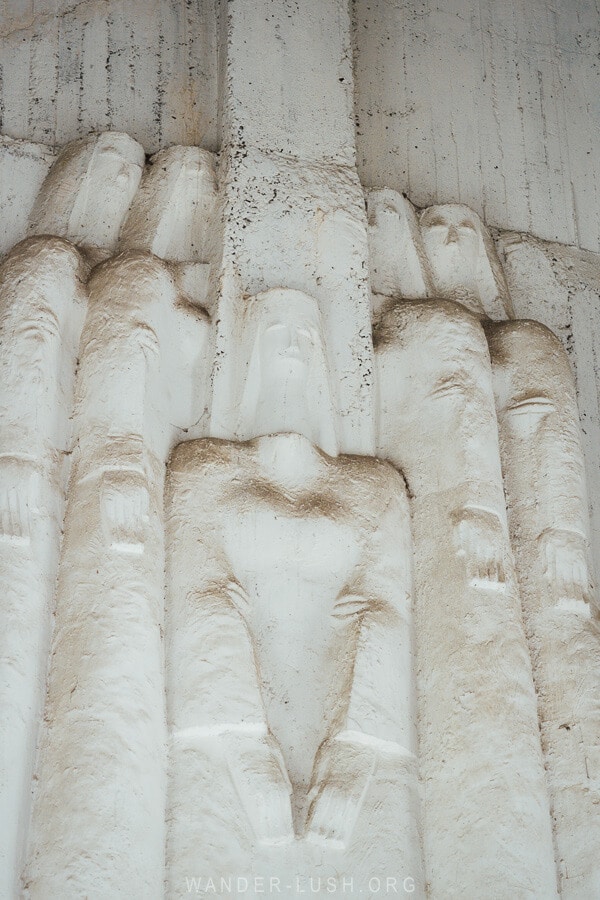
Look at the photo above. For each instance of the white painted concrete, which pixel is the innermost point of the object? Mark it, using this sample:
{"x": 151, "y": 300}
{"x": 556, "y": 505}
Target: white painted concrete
{"x": 147, "y": 67}
{"x": 490, "y": 104}
{"x": 277, "y": 548}
{"x": 23, "y": 167}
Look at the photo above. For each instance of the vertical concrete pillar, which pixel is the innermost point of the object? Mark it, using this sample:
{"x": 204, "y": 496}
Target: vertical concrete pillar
{"x": 294, "y": 207}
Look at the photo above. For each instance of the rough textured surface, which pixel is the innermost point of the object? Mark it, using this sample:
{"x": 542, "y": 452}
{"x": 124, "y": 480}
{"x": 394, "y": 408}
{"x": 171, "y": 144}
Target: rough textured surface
{"x": 490, "y": 104}
{"x": 74, "y": 66}
{"x": 300, "y": 587}
{"x": 104, "y": 747}
{"x": 560, "y": 287}
{"x": 294, "y": 209}
{"x": 295, "y": 696}
{"x": 545, "y": 491}
{"x": 477, "y": 723}
{"x": 42, "y": 308}
{"x": 23, "y": 167}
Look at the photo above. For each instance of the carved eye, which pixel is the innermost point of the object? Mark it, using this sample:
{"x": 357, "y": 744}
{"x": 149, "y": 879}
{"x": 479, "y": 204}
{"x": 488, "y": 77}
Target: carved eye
{"x": 468, "y": 225}
{"x": 436, "y": 223}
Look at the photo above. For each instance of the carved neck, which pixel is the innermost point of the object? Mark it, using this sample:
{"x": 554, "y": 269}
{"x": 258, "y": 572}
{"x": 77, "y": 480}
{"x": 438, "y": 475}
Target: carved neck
{"x": 289, "y": 459}
{"x": 283, "y": 408}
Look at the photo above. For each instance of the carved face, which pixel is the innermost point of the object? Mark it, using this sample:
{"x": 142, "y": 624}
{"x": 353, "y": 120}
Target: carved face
{"x": 287, "y": 380}
{"x": 451, "y": 235}
{"x": 112, "y": 178}
{"x": 89, "y": 189}
{"x": 288, "y": 345}
{"x": 113, "y": 165}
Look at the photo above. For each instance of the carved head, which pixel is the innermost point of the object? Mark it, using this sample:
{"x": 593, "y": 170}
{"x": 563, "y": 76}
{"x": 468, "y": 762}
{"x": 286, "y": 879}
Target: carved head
{"x": 172, "y": 214}
{"x": 88, "y": 190}
{"x": 463, "y": 260}
{"x": 287, "y": 378}
{"x": 397, "y": 260}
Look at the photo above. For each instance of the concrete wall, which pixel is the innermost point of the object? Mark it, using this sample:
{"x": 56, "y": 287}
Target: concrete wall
{"x": 493, "y": 104}
{"x": 147, "y": 67}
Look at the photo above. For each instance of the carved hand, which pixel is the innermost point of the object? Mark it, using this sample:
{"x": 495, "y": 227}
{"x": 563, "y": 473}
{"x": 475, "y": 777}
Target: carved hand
{"x": 259, "y": 774}
{"x": 564, "y": 563}
{"x": 481, "y": 542}
{"x": 19, "y": 497}
{"x": 124, "y": 502}
{"x": 341, "y": 776}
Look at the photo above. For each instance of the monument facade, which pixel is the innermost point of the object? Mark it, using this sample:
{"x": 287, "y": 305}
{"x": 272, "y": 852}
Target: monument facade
{"x": 295, "y": 542}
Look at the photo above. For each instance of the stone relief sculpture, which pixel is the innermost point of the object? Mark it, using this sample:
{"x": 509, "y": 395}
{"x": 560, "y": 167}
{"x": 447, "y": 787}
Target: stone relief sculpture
{"x": 398, "y": 267}
{"x": 477, "y": 707}
{"x": 544, "y": 480}
{"x": 173, "y": 216}
{"x": 547, "y": 503}
{"x": 88, "y": 190}
{"x": 42, "y": 308}
{"x": 289, "y": 626}
{"x": 463, "y": 262}
{"x": 298, "y": 705}
{"x": 139, "y": 385}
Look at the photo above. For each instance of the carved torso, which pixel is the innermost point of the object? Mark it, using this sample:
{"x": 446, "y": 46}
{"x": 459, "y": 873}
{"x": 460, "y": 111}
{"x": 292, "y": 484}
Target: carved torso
{"x": 297, "y": 551}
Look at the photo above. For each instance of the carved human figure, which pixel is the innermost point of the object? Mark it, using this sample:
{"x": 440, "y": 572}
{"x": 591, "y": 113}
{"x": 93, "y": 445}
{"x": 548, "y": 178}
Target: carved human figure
{"x": 174, "y": 216}
{"x": 398, "y": 267}
{"x": 525, "y": 359}
{"x": 463, "y": 263}
{"x": 106, "y": 170}
{"x": 288, "y": 627}
{"x": 542, "y": 467}
{"x": 42, "y": 309}
{"x": 546, "y": 494}
{"x": 544, "y": 477}
{"x": 140, "y": 385}
{"x": 437, "y": 422}
{"x": 173, "y": 213}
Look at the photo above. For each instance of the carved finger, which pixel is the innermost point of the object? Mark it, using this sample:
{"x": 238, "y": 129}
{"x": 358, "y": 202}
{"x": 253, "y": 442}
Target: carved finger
{"x": 550, "y": 565}
{"x": 4, "y": 517}
{"x": 239, "y": 597}
{"x": 16, "y": 524}
{"x": 587, "y": 587}
{"x": 500, "y": 570}
{"x": 24, "y": 514}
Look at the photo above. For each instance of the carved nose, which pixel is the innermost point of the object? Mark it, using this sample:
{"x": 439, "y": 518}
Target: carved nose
{"x": 452, "y": 235}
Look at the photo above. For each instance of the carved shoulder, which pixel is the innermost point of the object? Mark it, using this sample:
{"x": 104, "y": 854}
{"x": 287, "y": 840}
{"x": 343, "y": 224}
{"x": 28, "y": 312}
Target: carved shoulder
{"x": 375, "y": 480}
{"x": 191, "y": 457}
{"x": 125, "y": 280}
{"x": 438, "y": 318}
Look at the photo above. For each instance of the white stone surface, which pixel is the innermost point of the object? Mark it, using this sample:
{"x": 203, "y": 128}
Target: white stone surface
{"x": 299, "y": 226}
{"x": 147, "y": 67}
{"x": 294, "y": 212}
{"x": 88, "y": 190}
{"x": 98, "y": 822}
{"x": 23, "y": 167}
{"x": 288, "y": 565}
{"x": 560, "y": 287}
{"x": 546, "y": 496}
{"x": 490, "y": 104}
{"x": 304, "y": 93}
{"x": 479, "y": 752}
{"x": 289, "y": 656}
{"x": 42, "y": 308}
